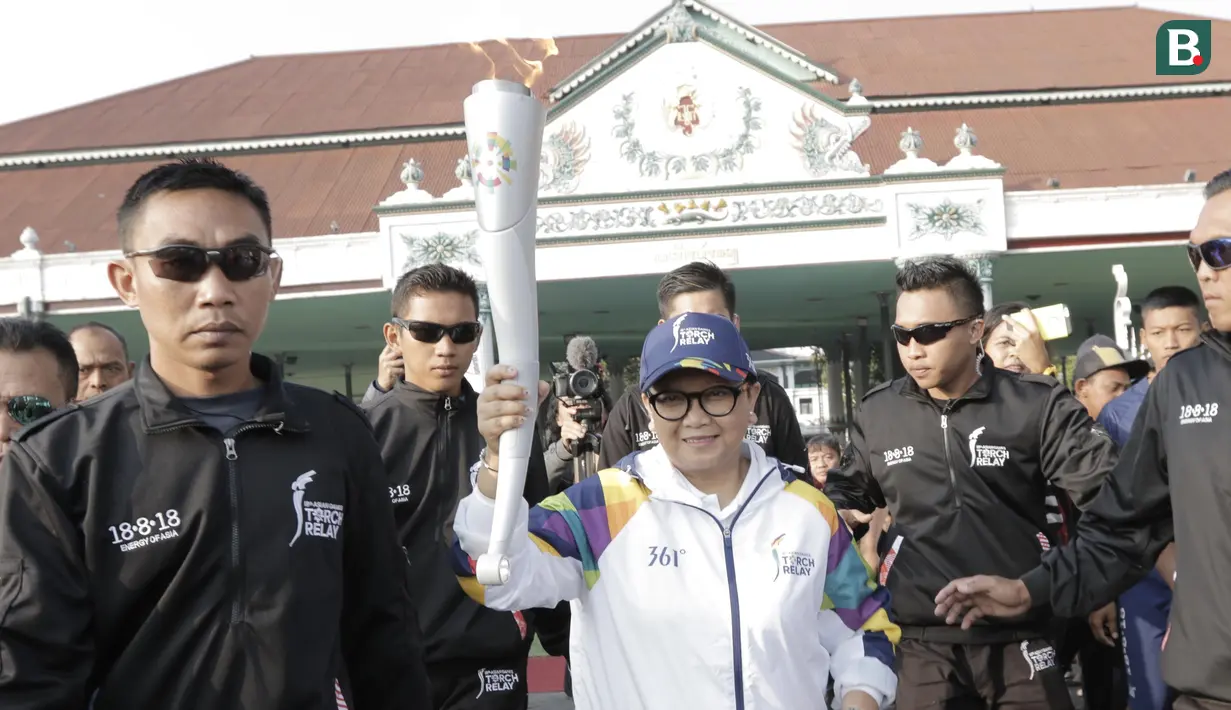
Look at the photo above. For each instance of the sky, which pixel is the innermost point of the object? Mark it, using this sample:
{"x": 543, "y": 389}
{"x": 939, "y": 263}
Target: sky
{"x": 59, "y": 54}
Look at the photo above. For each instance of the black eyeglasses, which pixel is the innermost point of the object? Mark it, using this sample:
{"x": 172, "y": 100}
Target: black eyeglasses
{"x": 1216, "y": 253}
{"x": 716, "y": 401}
{"x": 927, "y": 333}
{"x": 25, "y": 408}
{"x": 424, "y": 332}
{"x": 188, "y": 263}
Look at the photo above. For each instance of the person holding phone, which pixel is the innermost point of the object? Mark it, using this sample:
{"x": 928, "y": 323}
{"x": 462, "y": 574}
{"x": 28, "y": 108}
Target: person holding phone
{"x": 390, "y": 370}
{"x": 1012, "y": 340}
{"x": 702, "y": 573}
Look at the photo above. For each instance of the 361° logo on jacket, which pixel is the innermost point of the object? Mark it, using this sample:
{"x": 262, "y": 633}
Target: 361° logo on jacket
{"x": 313, "y": 518}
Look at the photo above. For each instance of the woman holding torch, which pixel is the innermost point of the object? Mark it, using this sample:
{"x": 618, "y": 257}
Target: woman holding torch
{"x": 701, "y": 575}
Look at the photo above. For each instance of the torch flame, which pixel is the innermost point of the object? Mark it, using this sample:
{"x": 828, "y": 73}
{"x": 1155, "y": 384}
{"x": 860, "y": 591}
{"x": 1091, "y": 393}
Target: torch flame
{"x": 491, "y": 63}
{"x": 531, "y": 69}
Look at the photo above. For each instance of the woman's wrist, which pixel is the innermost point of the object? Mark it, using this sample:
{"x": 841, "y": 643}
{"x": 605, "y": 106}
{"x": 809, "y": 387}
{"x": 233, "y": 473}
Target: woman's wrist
{"x": 485, "y": 474}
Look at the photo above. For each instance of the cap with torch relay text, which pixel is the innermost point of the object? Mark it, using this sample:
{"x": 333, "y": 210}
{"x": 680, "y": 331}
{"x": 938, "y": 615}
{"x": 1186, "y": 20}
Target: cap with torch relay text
{"x": 697, "y": 341}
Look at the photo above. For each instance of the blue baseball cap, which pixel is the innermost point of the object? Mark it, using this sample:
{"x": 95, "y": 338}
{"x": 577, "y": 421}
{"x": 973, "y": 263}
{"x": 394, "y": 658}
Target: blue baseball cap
{"x": 697, "y": 341}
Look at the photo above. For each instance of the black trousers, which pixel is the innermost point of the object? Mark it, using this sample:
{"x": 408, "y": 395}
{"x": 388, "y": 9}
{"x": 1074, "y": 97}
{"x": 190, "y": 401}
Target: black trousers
{"x": 482, "y": 685}
{"x": 1104, "y": 683}
{"x": 1021, "y": 675}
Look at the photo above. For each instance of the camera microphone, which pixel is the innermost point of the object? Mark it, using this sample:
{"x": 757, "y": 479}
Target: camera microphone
{"x": 582, "y": 381}
{"x": 582, "y": 353}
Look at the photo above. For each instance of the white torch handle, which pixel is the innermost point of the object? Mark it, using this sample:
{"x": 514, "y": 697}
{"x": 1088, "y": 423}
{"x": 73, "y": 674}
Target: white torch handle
{"x": 504, "y": 133}
{"x": 515, "y": 317}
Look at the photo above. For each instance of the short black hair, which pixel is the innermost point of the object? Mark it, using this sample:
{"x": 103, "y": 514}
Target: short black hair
{"x": 996, "y": 315}
{"x": 1171, "y": 297}
{"x": 1218, "y": 184}
{"x": 23, "y": 335}
{"x": 189, "y": 174}
{"x": 696, "y": 277}
{"x": 825, "y": 440}
{"x": 432, "y": 278}
{"x": 943, "y": 272}
{"x": 95, "y": 325}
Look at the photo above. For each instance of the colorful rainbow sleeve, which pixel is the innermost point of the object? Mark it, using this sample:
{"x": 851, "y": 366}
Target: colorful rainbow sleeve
{"x": 851, "y": 587}
{"x": 579, "y": 524}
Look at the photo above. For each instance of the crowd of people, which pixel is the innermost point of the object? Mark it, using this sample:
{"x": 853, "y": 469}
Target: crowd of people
{"x": 193, "y": 531}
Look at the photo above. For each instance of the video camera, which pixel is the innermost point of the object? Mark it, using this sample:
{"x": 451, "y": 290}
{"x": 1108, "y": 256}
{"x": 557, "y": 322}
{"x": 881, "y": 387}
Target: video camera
{"x": 582, "y": 388}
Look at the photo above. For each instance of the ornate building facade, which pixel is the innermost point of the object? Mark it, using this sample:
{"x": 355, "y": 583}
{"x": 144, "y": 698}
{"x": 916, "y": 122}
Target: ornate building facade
{"x": 806, "y": 159}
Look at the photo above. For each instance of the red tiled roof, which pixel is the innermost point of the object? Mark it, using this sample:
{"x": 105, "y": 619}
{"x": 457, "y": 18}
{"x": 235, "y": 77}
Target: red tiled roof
{"x": 308, "y": 192}
{"x": 418, "y": 86}
{"x": 1091, "y": 145}
{"x": 992, "y": 53}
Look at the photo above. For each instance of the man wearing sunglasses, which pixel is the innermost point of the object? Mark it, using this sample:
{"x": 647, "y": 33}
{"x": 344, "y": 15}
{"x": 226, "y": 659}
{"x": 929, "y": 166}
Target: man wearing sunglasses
{"x": 428, "y": 430}
{"x": 38, "y": 374}
{"x": 962, "y": 452}
{"x": 701, "y": 287}
{"x": 1171, "y": 485}
{"x": 207, "y": 536}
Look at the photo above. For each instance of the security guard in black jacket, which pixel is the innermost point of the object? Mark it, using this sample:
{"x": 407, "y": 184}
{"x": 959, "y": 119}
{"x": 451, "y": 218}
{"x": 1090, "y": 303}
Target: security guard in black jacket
{"x": 205, "y": 536}
{"x": 1173, "y": 482}
{"x": 429, "y": 435}
{"x": 701, "y": 287}
{"x": 962, "y": 453}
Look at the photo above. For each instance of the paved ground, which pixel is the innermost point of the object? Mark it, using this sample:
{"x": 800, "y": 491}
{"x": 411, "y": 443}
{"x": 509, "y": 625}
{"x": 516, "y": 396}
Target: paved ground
{"x": 550, "y": 701}
{"x": 560, "y": 701}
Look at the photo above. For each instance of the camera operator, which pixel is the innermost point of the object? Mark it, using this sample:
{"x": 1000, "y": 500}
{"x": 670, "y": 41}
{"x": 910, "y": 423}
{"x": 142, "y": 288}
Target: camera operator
{"x": 580, "y": 413}
{"x": 572, "y": 427}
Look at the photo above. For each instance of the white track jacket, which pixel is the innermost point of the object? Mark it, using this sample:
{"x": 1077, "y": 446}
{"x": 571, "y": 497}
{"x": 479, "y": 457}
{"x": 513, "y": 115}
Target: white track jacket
{"x": 678, "y": 605}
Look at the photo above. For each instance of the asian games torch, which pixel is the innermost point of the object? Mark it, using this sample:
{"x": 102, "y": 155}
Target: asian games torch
{"x": 504, "y": 133}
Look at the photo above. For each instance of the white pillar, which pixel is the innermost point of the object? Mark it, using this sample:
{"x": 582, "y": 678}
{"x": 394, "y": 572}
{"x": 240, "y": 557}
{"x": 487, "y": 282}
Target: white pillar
{"x": 981, "y": 266}
{"x": 487, "y": 346}
{"x": 485, "y": 356}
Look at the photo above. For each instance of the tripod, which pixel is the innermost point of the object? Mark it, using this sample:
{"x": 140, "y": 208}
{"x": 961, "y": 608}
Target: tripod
{"x": 582, "y": 451}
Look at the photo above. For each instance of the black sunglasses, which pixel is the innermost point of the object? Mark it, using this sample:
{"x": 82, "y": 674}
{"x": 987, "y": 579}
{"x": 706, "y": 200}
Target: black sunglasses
{"x": 188, "y": 263}
{"x": 1216, "y": 253}
{"x": 25, "y": 408}
{"x": 425, "y": 332}
{"x": 716, "y": 401}
{"x": 927, "y": 333}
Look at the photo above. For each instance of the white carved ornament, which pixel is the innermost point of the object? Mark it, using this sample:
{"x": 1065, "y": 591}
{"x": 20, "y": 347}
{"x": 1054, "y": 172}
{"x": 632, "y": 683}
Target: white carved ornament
{"x": 686, "y": 117}
{"x": 946, "y": 219}
{"x": 825, "y": 146}
{"x": 565, "y": 155}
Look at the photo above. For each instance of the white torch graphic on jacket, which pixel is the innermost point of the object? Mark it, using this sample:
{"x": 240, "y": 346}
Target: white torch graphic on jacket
{"x": 974, "y": 443}
{"x": 299, "y": 487}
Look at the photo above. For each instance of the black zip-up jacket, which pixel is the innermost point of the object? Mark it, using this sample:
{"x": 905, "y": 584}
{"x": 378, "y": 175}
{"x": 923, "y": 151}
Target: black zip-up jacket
{"x": 776, "y": 430}
{"x": 1183, "y": 426}
{"x": 149, "y": 561}
{"x": 429, "y": 442}
{"x": 965, "y": 481}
